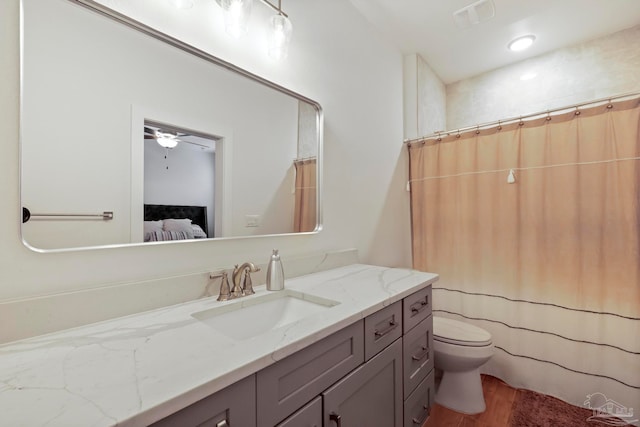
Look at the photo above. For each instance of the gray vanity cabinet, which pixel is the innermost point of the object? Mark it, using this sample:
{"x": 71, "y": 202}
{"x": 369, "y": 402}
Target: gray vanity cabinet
{"x": 231, "y": 407}
{"x": 377, "y": 372}
{"x": 370, "y": 396}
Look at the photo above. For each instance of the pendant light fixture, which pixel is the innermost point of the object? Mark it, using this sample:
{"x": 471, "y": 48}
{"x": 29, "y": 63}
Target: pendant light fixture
{"x": 280, "y": 34}
{"x": 236, "y": 18}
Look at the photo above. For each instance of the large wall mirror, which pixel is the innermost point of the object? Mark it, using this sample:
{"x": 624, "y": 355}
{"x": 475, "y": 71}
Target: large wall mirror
{"x": 131, "y": 136}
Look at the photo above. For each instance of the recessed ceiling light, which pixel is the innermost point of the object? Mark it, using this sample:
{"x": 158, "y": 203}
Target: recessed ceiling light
{"x": 528, "y": 76}
{"x": 521, "y": 43}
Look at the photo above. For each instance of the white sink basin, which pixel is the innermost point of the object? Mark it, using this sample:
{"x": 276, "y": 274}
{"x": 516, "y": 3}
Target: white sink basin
{"x": 249, "y": 317}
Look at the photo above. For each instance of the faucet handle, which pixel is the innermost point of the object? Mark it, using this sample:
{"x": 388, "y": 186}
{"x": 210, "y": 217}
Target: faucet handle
{"x": 225, "y": 293}
{"x": 247, "y": 286}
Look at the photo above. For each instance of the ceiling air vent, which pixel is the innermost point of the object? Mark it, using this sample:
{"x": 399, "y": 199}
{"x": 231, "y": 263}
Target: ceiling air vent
{"x": 474, "y": 13}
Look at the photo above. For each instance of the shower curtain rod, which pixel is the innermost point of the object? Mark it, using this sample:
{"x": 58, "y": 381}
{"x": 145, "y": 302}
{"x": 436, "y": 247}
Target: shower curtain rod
{"x": 519, "y": 118}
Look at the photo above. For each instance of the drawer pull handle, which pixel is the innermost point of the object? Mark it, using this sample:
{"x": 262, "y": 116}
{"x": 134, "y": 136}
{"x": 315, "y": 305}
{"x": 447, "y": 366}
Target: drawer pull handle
{"x": 222, "y": 423}
{"x": 419, "y": 306}
{"x": 337, "y": 418}
{"x": 422, "y": 354}
{"x": 385, "y": 331}
{"x": 423, "y": 418}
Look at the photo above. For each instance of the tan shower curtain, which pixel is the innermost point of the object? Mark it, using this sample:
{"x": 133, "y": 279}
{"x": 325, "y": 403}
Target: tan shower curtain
{"x": 305, "y": 196}
{"x": 550, "y": 263}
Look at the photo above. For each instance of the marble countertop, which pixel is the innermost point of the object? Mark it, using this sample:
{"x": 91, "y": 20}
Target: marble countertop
{"x": 135, "y": 370}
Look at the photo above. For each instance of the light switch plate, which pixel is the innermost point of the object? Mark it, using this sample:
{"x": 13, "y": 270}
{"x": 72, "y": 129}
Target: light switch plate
{"x": 252, "y": 220}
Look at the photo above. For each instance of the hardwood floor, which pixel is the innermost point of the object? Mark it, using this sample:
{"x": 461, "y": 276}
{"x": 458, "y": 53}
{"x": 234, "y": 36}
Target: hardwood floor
{"x": 499, "y": 398}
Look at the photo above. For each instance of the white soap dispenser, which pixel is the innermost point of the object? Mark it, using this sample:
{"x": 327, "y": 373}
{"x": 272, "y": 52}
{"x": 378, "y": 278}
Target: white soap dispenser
{"x": 275, "y": 273}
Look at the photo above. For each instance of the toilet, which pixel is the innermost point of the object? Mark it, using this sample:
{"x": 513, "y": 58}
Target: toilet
{"x": 459, "y": 351}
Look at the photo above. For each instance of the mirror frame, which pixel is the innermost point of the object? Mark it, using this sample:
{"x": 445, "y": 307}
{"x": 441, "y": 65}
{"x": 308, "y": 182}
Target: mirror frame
{"x": 177, "y": 43}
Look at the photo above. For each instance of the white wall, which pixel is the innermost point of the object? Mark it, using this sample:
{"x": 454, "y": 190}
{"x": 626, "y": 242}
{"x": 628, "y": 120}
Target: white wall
{"x": 592, "y": 70}
{"x": 336, "y": 59}
{"x": 425, "y": 100}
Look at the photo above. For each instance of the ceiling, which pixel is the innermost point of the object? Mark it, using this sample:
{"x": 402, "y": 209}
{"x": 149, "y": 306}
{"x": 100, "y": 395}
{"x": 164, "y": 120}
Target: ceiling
{"x": 428, "y": 28}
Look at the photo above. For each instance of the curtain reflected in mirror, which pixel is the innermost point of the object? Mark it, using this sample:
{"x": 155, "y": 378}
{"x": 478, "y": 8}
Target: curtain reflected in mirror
{"x": 305, "y": 207}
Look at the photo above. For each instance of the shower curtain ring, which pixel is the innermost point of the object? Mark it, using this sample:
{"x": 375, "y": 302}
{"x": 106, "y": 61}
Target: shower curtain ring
{"x": 458, "y": 134}
{"x": 610, "y": 105}
{"x": 439, "y": 137}
{"x": 478, "y": 130}
{"x": 499, "y": 125}
{"x": 577, "y": 113}
{"x": 521, "y": 123}
{"x": 548, "y": 116}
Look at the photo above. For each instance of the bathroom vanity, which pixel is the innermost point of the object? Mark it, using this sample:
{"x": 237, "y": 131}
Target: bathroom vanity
{"x": 348, "y": 346}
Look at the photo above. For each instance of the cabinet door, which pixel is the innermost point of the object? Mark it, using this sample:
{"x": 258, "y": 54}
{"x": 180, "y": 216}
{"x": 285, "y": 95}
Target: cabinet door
{"x": 230, "y": 407}
{"x": 370, "y": 396}
{"x": 418, "y": 405}
{"x": 416, "y": 307}
{"x": 381, "y": 329}
{"x": 418, "y": 354}
{"x": 285, "y": 386}
{"x": 309, "y": 416}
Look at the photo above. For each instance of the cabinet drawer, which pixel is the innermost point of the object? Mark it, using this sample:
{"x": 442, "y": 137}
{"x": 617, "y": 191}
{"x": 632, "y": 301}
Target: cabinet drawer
{"x": 234, "y": 405}
{"x": 416, "y": 307}
{"x": 417, "y": 353}
{"x": 309, "y": 416}
{"x": 381, "y": 329}
{"x": 285, "y": 386}
{"x": 370, "y": 396}
{"x": 417, "y": 406}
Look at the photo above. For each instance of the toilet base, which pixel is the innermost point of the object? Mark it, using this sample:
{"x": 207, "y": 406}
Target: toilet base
{"x": 461, "y": 392}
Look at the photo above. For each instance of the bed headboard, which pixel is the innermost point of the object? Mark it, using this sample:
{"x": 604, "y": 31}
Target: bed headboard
{"x": 197, "y": 214}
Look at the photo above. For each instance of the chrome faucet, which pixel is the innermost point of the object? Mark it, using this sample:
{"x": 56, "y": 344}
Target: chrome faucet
{"x": 236, "y": 276}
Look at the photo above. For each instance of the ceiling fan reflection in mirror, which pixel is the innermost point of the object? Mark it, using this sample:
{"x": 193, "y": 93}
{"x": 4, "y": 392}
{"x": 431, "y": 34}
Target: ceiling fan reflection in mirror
{"x": 165, "y": 139}
{"x": 168, "y": 137}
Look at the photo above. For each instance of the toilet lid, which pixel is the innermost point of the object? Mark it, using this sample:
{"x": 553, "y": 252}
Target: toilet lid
{"x": 459, "y": 333}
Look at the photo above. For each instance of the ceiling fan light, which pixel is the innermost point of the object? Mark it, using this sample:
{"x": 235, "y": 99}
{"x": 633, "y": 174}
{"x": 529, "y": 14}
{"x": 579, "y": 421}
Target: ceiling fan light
{"x": 166, "y": 140}
{"x": 279, "y": 36}
{"x": 521, "y": 43}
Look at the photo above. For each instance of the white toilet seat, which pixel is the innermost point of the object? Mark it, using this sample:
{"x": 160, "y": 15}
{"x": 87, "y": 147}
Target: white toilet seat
{"x": 459, "y": 333}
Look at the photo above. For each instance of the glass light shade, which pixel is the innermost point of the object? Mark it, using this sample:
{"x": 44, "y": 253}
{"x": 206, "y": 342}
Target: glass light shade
{"x": 236, "y": 16}
{"x": 181, "y": 4}
{"x": 279, "y": 36}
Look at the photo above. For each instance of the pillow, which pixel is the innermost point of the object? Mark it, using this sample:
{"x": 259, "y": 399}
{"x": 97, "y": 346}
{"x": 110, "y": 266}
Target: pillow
{"x": 151, "y": 227}
{"x": 181, "y": 225}
{"x": 198, "y": 232}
